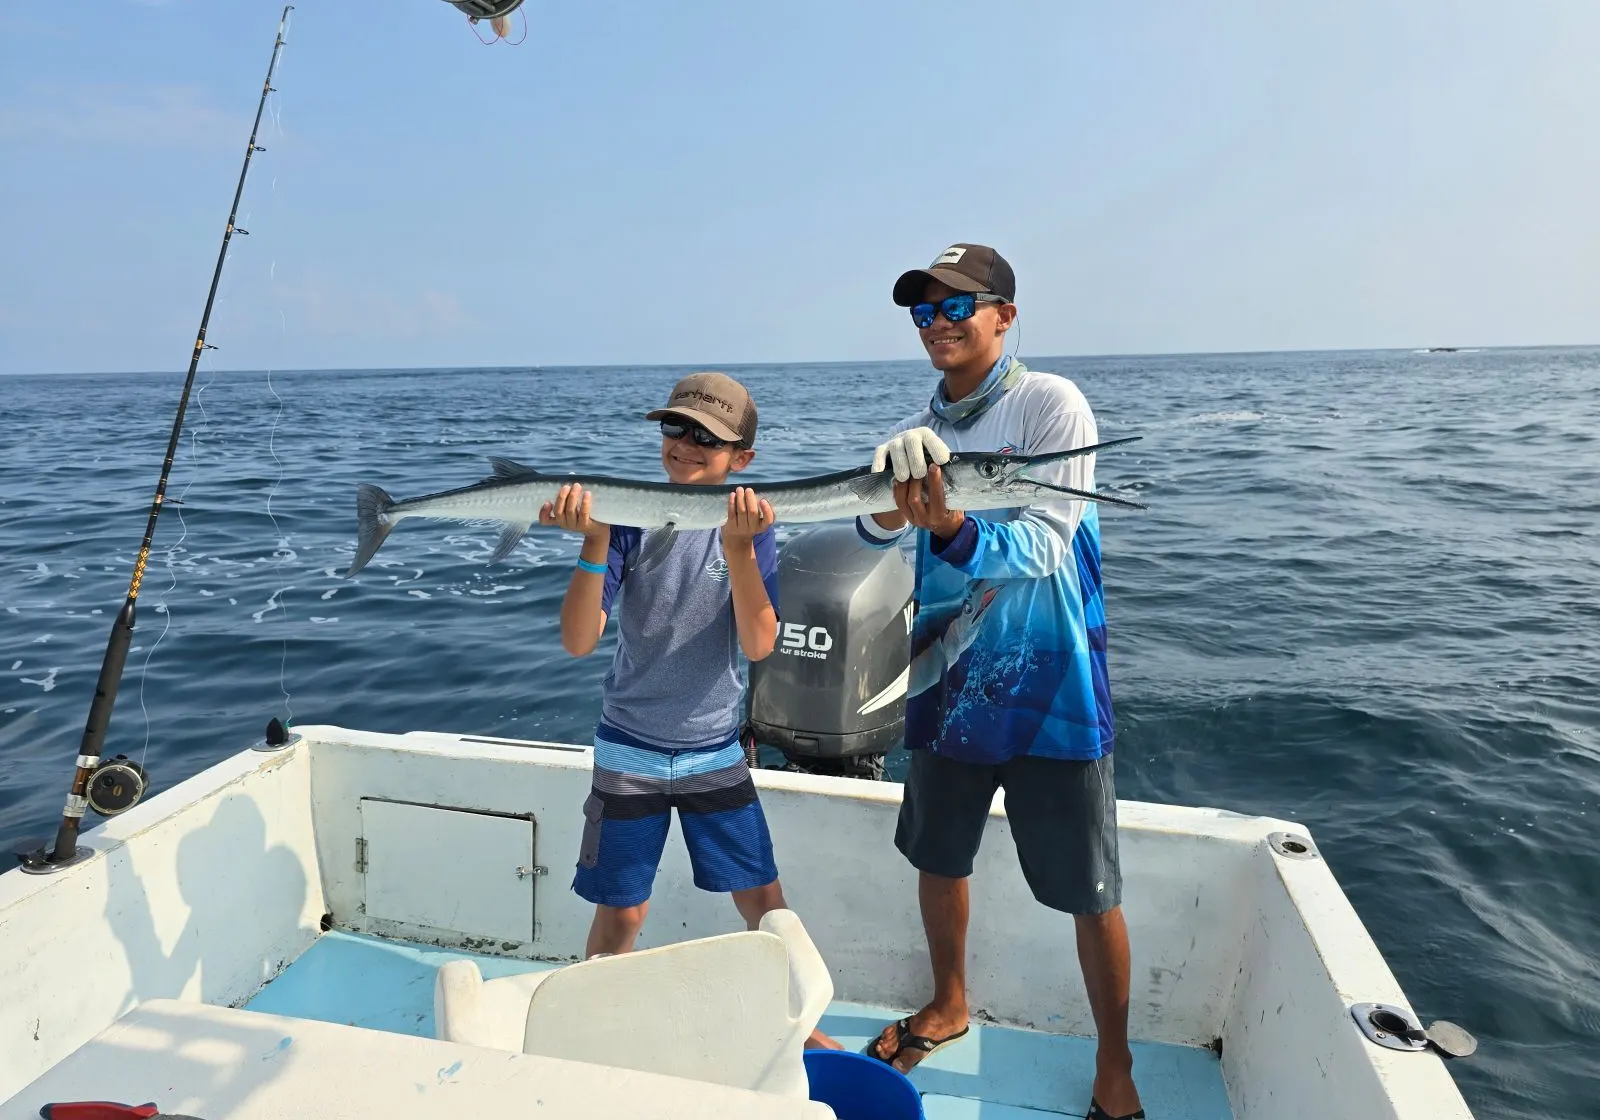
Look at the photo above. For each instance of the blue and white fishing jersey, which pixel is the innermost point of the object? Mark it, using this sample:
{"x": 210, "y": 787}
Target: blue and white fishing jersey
{"x": 1008, "y": 645}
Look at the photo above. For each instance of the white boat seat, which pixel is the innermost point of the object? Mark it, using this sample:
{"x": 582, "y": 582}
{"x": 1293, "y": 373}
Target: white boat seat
{"x": 733, "y": 1010}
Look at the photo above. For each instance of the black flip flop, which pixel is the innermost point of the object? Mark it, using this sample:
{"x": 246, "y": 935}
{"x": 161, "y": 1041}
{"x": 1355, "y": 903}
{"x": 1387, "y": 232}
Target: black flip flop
{"x": 1097, "y": 1113}
{"x": 905, "y": 1040}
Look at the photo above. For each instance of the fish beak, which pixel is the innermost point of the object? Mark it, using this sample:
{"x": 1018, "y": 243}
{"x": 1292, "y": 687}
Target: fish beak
{"x": 1084, "y": 494}
{"x": 1058, "y": 456}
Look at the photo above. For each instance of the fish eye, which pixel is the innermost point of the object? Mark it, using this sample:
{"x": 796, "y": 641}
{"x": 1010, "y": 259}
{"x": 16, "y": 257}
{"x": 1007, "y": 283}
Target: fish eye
{"x": 988, "y": 468}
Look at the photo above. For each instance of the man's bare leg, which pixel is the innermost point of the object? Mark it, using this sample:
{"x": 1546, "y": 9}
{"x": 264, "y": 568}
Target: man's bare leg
{"x": 753, "y": 905}
{"x": 944, "y": 921}
{"x": 1103, "y": 955}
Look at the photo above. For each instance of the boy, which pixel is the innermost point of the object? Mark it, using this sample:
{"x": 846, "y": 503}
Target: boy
{"x": 669, "y": 724}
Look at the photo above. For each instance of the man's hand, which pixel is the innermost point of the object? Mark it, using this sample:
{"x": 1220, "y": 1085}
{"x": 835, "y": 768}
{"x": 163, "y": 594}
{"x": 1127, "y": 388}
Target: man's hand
{"x": 748, "y": 516}
{"x": 921, "y": 502}
{"x": 570, "y": 511}
{"x": 910, "y": 454}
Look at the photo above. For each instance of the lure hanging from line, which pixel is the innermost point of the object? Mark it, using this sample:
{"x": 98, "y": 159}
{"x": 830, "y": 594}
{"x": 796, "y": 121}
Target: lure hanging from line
{"x": 497, "y": 12}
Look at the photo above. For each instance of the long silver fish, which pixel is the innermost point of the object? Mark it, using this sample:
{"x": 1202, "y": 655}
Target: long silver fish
{"x": 515, "y": 494}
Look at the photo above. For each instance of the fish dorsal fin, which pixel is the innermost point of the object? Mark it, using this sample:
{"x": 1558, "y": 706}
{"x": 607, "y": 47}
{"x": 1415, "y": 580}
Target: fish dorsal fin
{"x": 509, "y": 468}
{"x": 656, "y": 547}
{"x": 509, "y": 541}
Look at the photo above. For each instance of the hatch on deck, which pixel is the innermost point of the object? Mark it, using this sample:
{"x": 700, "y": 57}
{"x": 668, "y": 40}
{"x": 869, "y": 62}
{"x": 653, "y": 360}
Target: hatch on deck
{"x": 411, "y": 858}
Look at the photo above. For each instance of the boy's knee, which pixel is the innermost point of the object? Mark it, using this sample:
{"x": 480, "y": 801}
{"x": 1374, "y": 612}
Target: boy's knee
{"x": 623, "y": 918}
{"x": 758, "y": 900}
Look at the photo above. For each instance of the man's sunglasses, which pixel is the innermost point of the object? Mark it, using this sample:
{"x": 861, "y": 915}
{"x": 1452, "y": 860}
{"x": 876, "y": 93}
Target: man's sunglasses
{"x": 955, "y": 309}
{"x": 674, "y": 430}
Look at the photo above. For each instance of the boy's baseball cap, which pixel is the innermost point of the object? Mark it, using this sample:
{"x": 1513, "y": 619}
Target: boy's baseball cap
{"x": 716, "y": 402}
{"x": 964, "y": 267}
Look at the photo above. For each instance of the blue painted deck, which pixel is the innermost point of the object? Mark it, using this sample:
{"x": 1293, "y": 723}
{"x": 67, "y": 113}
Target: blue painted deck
{"x": 996, "y": 1073}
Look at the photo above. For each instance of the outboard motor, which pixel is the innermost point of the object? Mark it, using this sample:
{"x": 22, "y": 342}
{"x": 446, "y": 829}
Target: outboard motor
{"x": 832, "y": 694}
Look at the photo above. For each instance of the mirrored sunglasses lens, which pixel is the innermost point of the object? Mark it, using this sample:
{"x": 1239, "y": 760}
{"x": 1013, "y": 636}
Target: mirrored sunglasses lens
{"x": 922, "y": 314}
{"x": 957, "y": 308}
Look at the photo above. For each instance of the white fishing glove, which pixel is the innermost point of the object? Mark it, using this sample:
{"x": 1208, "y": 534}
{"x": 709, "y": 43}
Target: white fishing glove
{"x": 910, "y": 453}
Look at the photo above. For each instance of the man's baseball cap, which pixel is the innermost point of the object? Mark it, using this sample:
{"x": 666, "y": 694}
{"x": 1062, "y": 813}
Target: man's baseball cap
{"x": 964, "y": 267}
{"x": 716, "y": 402}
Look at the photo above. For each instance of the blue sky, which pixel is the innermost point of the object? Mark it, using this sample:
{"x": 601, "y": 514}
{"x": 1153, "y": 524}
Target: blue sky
{"x": 713, "y": 181}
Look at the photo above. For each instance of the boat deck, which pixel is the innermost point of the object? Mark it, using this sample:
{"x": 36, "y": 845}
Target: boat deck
{"x": 996, "y": 1073}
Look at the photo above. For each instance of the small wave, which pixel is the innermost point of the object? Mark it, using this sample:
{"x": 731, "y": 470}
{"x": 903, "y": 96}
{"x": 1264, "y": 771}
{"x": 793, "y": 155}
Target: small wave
{"x": 15, "y": 665}
{"x": 419, "y": 594}
{"x": 42, "y": 638}
{"x": 274, "y": 603}
{"x": 46, "y": 682}
{"x": 1239, "y": 417}
{"x": 319, "y": 620}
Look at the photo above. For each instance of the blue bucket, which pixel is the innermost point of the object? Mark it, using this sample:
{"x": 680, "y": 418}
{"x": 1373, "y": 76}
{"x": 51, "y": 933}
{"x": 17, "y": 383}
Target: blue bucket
{"x": 857, "y": 1087}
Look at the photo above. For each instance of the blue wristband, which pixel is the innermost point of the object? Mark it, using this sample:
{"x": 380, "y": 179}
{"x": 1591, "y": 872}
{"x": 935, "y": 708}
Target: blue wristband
{"x": 585, "y": 566}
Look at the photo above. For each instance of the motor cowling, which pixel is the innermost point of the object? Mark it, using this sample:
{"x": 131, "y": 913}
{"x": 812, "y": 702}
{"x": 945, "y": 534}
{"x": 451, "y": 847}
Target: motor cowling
{"x": 834, "y": 686}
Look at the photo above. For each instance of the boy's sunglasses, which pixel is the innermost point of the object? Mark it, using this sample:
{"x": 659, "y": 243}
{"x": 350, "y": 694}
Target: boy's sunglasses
{"x": 955, "y": 309}
{"x": 672, "y": 429}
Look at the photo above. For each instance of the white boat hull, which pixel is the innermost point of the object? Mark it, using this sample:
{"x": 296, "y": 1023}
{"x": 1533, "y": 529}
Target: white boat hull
{"x": 208, "y": 891}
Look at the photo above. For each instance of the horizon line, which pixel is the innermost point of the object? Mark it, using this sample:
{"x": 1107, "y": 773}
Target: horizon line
{"x": 772, "y": 364}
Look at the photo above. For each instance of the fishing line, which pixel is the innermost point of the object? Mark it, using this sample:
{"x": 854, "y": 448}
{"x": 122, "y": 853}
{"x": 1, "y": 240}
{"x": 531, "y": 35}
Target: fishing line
{"x": 163, "y": 605}
{"x": 473, "y": 21}
{"x": 281, "y": 550}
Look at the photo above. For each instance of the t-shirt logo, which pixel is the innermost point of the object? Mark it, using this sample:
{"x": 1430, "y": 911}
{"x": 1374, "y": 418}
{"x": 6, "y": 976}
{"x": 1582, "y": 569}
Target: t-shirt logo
{"x": 718, "y": 569}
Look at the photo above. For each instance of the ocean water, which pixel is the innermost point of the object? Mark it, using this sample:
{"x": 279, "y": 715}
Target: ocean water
{"x": 1366, "y": 597}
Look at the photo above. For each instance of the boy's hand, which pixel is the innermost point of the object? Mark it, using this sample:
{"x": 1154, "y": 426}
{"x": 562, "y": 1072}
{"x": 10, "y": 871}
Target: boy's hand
{"x": 570, "y": 511}
{"x": 921, "y": 501}
{"x": 748, "y": 515}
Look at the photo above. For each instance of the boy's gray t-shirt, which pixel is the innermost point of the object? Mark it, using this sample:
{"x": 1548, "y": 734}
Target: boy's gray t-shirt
{"x": 677, "y": 679}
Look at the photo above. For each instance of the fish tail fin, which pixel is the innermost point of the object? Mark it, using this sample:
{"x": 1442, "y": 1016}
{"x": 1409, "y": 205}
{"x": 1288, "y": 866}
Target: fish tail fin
{"x": 372, "y": 524}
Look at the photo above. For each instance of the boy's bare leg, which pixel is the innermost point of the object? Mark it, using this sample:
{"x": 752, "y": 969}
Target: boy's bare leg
{"x": 615, "y": 928}
{"x": 753, "y": 905}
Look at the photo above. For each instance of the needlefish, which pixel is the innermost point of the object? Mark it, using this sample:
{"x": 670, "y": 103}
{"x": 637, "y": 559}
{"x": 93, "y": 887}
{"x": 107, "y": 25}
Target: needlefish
{"x": 515, "y": 493}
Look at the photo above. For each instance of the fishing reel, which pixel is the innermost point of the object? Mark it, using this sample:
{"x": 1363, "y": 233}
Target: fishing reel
{"x": 115, "y": 786}
{"x": 485, "y": 9}
{"x": 497, "y": 12}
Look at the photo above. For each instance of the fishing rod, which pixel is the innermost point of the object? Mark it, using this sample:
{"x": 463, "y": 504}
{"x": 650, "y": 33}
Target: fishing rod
{"x": 112, "y": 787}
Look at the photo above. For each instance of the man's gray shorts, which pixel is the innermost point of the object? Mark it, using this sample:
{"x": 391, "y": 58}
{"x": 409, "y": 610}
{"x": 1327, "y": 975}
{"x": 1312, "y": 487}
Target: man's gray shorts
{"x": 1063, "y": 817}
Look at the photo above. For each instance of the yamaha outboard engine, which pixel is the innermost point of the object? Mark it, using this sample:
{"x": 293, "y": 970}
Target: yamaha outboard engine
{"x": 831, "y": 696}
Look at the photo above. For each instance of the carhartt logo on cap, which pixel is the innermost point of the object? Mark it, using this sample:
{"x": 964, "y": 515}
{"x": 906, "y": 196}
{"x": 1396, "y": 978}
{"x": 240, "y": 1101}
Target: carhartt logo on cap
{"x": 951, "y": 255}
{"x": 698, "y": 395}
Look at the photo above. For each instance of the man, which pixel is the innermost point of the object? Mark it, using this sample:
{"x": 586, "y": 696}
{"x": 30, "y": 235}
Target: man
{"x": 1022, "y": 698}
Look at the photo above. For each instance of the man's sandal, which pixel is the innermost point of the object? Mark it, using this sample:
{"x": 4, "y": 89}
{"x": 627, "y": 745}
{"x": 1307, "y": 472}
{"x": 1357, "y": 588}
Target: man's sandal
{"x": 904, "y": 1040}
